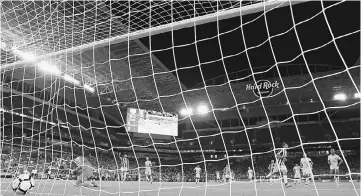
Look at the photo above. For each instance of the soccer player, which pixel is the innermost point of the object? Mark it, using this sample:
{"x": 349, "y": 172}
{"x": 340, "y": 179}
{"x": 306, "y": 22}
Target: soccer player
{"x": 49, "y": 172}
{"x": 198, "y": 173}
{"x": 297, "y": 171}
{"x": 334, "y": 161}
{"x": 178, "y": 177}
{"x": 250, "y": 174}
{"x": 218, "y": 176}
{"x": 106, "y": 178}
{"x": 34, "y": 173}
{"x": 148, "y": 170}
{"x": 273, "y": 169}
{"x": 95, "y": 174}
{"x": 84, "y": 170}
{"x": 124, "y": 167}
{"x": 281, "y": 160}
{"x": 227, "y": 173}
{"x": 306, "y": 164}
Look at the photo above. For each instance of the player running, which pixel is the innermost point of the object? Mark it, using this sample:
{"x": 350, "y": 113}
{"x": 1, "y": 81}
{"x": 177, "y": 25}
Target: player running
{"x": 198, "y": 173}
{"x": 306, "y": 164}
{"x": 334, "y": 161}
{"x": 297, "y": 176}
{"x": 281, "y": 160}
{"x": 272, "y": 170}
{"x": 148, "y": 170}
{"x": 124, "y": 168}
{"x": 218, "y": 176}
{"x": 84, "y": 170}
{"x": 250, "y": 174}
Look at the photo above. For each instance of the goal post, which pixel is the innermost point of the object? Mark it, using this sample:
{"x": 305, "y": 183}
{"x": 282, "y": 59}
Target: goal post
{"x": 98, "y": 105}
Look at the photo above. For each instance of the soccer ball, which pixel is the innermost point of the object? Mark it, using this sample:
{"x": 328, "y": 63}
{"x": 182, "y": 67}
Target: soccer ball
{"x": 23, "y": 183}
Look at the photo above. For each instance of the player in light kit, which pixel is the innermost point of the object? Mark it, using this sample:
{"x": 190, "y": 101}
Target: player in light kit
{"x": 218, "y": 176}
{"x": 84, "y": 170}
{"x": 178, "y": 177}
{"x": 334, "y": 161}
{"x": 124, "y": 168}
{"x": 49, "y": 172}
{"x": 198, "y": 173}
{"x": 227, "y": 173}
{"x": 250, "y": 174}
{"x": 306, "y": 164}
{"x": 281, "y": 160}
{"x": 272, "y": 171}
{"x": 148, "y": 170}
{"x": 297, "y": 171}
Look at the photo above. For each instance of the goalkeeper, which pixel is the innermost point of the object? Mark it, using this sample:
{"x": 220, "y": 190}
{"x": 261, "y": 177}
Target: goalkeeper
{"x": 83, "y": 172}
{"x": 227, "y": 173}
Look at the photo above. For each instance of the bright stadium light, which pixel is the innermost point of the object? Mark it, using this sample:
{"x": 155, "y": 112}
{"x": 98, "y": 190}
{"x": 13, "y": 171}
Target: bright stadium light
{"x": 7, "y": 46}
{"x": 27, "y": 56}
{"x": 71, "y": 79}
{"x": 340, "y": 97}
{"x": 89, "y": 88}
{"x": 186, "y": 111}
{"x": 2, "y": 45}
{"x": 45, "y": 67}
{"x": 357, "y": 95}
{"x": 202, "y": 109}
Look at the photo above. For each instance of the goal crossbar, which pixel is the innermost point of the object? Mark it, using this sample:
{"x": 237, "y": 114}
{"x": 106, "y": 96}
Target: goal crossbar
{"x": 221, "y": 15}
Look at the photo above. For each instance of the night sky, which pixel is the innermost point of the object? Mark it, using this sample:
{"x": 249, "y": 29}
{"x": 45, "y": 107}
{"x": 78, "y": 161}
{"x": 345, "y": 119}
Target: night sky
{"x": 344, "y": 18}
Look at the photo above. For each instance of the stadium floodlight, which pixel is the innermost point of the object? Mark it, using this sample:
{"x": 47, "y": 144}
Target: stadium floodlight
{"x": 89, "y": 88}
{"x": 2, "y": 45}
{"x": 202, "y": 109}
{"x": 186, "y": 111}
{"x": 71, "y": 79}
{"x": 27, "y": 56}
{"x": 340, "y": 97}
{"x": 45, "y": 67}
{"x": 7, "y": 46}
{"x": 357, "y": 95}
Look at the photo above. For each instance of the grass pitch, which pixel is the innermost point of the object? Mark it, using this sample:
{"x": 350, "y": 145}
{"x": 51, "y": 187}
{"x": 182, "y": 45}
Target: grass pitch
{"x": 108, "y": 188}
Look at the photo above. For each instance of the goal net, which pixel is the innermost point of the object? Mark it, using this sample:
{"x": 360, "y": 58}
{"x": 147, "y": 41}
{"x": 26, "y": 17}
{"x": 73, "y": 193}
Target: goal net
{"x": 181, "y": 97}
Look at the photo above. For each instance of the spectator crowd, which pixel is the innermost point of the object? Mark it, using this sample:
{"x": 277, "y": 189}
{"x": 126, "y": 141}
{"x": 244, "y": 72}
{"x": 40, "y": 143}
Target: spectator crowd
{"x": 55, "y": 162}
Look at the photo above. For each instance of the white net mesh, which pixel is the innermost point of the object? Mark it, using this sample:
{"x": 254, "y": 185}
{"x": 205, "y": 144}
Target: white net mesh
{"x": 215, "y": 85}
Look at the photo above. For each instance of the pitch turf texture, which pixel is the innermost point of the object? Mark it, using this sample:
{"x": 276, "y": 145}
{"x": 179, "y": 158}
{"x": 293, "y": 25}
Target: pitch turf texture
{"x": 67, "y": 188}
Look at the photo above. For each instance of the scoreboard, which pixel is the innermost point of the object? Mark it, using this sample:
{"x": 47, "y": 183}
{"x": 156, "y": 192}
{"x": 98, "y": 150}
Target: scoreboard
{"x": 152, "y": 122}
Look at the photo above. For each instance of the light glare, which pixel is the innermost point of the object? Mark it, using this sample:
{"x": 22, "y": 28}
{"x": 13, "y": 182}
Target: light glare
{"x": 340, "y": 97}
{"x": 71, "y": 79}
{"x": 202, "y": 109}
{"x": 357, "y": 95}
{"x": 45, "y": 67}
{"x": 2, "y": 45}
{"x": 186, "y": 111}
{"x": 27, "y": 56}
{"x": 89, "y": 88}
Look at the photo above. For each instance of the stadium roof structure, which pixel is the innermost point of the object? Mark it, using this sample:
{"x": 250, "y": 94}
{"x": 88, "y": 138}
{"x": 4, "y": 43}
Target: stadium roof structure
{"x": 98, "y": 44}
{"x": 98, "y": 47}
{"x": 89, "y": 65}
